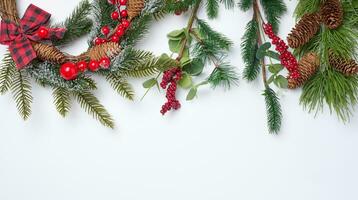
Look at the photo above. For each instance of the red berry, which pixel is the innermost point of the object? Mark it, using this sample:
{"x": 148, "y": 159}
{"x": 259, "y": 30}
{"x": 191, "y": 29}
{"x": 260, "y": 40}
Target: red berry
{"x": 115, "y": 15}
{"x": 113, "y": 2}
{"x": 93, "y": 65}
{"x": 124, "y": 13}
{"x": 105, "y": 30}
{"x": 43, "y": 32}
{"x": 105, "y": 63}
{"x": 122, "y": 2}
{"x": 115, "y": 38}
{"x": 82, "y": 66}
{"x": 99, "y": 41}
{"x": 125, "y": 23}
{"x": 119, "y": 32}
{"x": 68, "y": 71}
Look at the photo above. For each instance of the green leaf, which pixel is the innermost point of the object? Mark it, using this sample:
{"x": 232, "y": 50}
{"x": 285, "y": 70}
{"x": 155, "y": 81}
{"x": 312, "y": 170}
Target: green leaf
{"x": 271, "y": 79}
{"x": 185, "y": 58}
{"x": 273, "y": 55}
{"x": 186, "y": 82}
{"x": 174, "y": 45}
{"x": 194, "y": 68}
{"x": 176, "y": 34}
{"x": 261, "y": 52}
{"x": 275, "y": 68}
{"x": 192, "y": 94}
{"x": 150, "y": 83}
{"x": 281, "y": 81}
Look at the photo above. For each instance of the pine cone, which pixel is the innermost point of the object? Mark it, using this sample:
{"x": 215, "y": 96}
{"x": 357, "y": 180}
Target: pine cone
{"x": 332, "y": 13}
{"x": 304, "y": 30}
{"x": 109, "y": 49}
{"x": 49, "y": 53}
{"x": 307, "y": 66}
{"x": 134, "y": 8}
{"x": 347, "y": 67}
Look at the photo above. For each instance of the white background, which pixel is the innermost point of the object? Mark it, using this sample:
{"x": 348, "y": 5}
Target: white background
{"x": 216, "y": 147}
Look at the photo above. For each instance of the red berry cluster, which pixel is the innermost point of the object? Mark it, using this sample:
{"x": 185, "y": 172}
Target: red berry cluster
{"x": 170, "y": 81}
{"x": 286, "y": 57}
{"x": 70, "y": 70}
{"x": 119, "y": 15}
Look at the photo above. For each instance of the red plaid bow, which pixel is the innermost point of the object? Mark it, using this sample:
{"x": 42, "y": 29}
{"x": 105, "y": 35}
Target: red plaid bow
{"x": 19, "y": 37}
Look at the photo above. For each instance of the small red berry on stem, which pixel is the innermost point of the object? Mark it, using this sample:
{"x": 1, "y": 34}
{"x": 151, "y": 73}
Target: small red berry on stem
{"x": 69, "y": 71}
{"x": 93, "y": 65}
{"x": 105, "y": 30}
{"x": 286, "y": 57}
{"x": 82, "y": 66}
{"x": 115, "y": 15}
{"x": 43, "y": 32}
{"x": 122, "y": 2}
{"x": 126, "y": 23}
{"x": 99, "y": 41}
{"x": 124, "y": 13}
{"x": 115, "y": 38}
{"x": 169, "y": 82}
{"x": 105, "y": 63}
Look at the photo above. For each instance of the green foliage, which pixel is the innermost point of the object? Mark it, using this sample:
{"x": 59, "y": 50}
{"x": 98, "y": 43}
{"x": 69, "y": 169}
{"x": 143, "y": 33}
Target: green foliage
{"x": 305, "y": 6}
{"x": 21, "y": 90}
{"x": 207, "y": 33}
{"x": 228, "y": 3}
{"x": 139, "y": 27}
{"x": 7, "y": 70}
{"x": 121, "y": 85}
{"x": 172, "y": 6}
{"x": 245, "y": 4}
{"x": 274, "y": 9}
{"x": 93, "y": 107}
{"x": 212, "y": 8}
{"x": 77, "y": 24}
{"x": 223, "y": 75}
{"x": 273, "y": 109}
{"x": 62, "y": 100}
{"x": 48, "y": 74}
{"x": 249, "y": 47}
{"x": 339, "y": 92}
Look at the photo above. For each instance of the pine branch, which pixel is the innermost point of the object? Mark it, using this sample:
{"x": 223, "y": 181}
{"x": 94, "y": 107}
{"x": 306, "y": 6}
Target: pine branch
{"x": 229, "y": 4}
{"x": 7, "y": 71}
{"x": 77, "y": 24}
{"x": 93, "y": 107}
{"x": 245, "y": 5}
{"x": 212, "y": 8}
{"x": 273, "y": 109}
{"x": 305, "y": 6}
{"x": 141, "y": 70}
{"x": 139, "y": 27}
{"x": 249, "y": 47}
{"x": 274, "y": 9}
{"x": 223, "y": 75}
{"x": 62, "y": 100}
{"x": 21, "y": 90}
{"x": 209, "y": 34}
{"x": 121, "y": 85}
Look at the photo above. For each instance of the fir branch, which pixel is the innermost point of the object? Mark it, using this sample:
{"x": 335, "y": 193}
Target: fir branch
{"x": 62, "y": 100}
{"x": 249, "y": 47}
{"x": 139, "y": 27}
{"x": 340, "y": 93}
{"x": 121, "y": 85}
{"x": 274, "y": 9}
{"x": 212, "y": 8}
{"x": 305, "y": 6}
{"x": 273, "y": 109}
{"x": 21, "y": 90}
{"x": 141, "y": 70}
{"x": 172, "y": 6}
{"x": 245, "y": 5}
{"x": 93, "y": 107}
{"x": 7, "y": 70}
{"x": 130, "y": 59}
{"x": 223, "y": 75}
{"x": 77, "y": 24}
{"x": 228, "y": 3}
{"x": 209, "y": 34}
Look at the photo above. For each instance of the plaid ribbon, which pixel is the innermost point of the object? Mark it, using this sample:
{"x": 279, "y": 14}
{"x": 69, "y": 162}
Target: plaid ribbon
{"x": 19, "y": 37}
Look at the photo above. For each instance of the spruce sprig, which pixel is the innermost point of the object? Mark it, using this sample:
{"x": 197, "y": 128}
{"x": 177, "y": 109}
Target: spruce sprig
{"x": 274, "y": 9}
{"x": 273, "y": 109}
{"x": 92, "y": 106}
{"x": 62, "y": 100}
{"x": 77, "y": 24}
{"x": 121, "y": 85}
{"x": 21, "y": 90}
{"x": 249, "y": 47}
{"x": 7, "y": 71}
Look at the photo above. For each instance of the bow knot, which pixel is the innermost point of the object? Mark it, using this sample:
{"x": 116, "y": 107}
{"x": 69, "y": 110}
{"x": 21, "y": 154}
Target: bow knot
{"x": 19, "y": 36}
